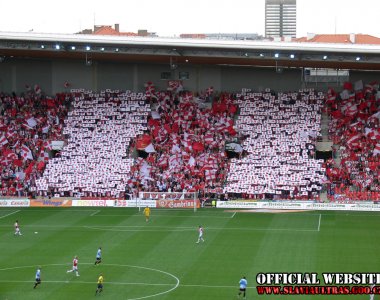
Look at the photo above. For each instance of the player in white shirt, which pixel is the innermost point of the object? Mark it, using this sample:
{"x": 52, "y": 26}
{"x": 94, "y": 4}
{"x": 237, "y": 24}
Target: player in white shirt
{"x": 17, "y": 228}
{"x": 200, "y": 237}
{"x": 242, "y": 287}
{"x": 98, "y": 256}
{"x": 75, "y": 266}
{"x": 38, "y": 277}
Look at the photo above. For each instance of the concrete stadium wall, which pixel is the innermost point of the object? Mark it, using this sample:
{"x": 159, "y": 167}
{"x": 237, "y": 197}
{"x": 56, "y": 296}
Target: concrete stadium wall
{"x": 366, "y": 76}
{"x": 51, "y": 75}
{"x": 234, "y": 78}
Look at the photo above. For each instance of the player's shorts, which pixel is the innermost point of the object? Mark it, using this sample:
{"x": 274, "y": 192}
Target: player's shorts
{"x": 17, "y": 229}
{"x": 100, "y": 285}
{"x": 242, "y": 289}
{"x": 98, "y": 259}
{"x": 38, "y": 280}
{"x": 75, "y": 268}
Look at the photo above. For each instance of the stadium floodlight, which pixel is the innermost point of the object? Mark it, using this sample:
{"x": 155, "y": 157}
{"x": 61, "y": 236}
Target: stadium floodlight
{"x": 42, "y": 46}
{"x": 186, "y": 60}
{"x": 261, "y": 55}
{"x": 117, "y": 50}
{"x": 73, "y": 48}
{"x": 291, "y": 56}
{"x": 88, "y": 48}
{"x": 57, "y": 47}
{"x": 324, "y": 57}
{"x": 102, "y": 49}
{"x": 276, "y": 55}
{"x": 357, "y": 58}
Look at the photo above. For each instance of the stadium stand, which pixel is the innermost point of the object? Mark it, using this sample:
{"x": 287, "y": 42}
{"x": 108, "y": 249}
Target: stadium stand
{"x": 282, "y": 132}
{"x": 355, "y": 127}
{"x": 182, "y": 140}
{"x": 94, "y": 163}
{"x": 188, "y": 143}
{"x": 28, "y": 124}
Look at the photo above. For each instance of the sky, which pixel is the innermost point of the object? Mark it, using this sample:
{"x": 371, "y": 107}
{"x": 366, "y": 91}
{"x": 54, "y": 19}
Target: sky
{"x": 173, "y": 17}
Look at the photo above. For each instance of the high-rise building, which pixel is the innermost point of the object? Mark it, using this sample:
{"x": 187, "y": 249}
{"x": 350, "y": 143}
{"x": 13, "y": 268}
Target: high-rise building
{"x": 280, "y": 18}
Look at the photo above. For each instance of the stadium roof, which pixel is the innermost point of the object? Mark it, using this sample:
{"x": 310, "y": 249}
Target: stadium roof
{"x": 194, "y": 51}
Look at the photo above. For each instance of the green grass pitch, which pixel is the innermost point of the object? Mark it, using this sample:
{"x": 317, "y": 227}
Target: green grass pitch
{"x": 161, "y": 260}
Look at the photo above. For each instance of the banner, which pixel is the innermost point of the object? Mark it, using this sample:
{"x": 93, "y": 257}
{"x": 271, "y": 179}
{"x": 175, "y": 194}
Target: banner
{"x": 134, "y": 203}
{"x": 299, "y": 205}
{"x": 14, "y": 202}
{"x": 188, "y": 203}
{"x": 165, "y": 196}
{"x": 57, "y": 145}
{"x": 50, "y": 203}
{"x": 234, "y": 147}
{"x": 93, "y": 202}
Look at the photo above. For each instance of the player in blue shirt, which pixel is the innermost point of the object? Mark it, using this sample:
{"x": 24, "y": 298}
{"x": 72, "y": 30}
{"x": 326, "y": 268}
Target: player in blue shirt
{"x": 38, "y": 277}
{"x": 242, "y": 287}
{"x": 98, "y": 256}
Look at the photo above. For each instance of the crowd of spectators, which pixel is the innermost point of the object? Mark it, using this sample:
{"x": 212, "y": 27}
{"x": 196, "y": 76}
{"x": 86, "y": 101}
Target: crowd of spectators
{"x": 28, "y": 125}
{"x": 355, "y": 127}
{"x": 99, "y": 129}
{"x": 282, "y": 131}
{"x": 181, "y": 140}
{"x": 187, "y": 137}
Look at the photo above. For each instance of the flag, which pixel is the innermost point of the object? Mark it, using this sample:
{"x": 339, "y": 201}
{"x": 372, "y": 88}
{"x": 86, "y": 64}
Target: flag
{"x": 358, "y": 85}
{"x": 9, "y": 154}
{"x": 209, "y": 91}
{"x": 353, "y": 140}
{"x": 192, "y": 161}
{"x": 149, "y": 88}
{"x": 3, "y": 140}
{"x": 45, "y": 129}
{"x": 37, "y": 89}
{"x": 149, "y": 148}
{"x": 31, "y": 122}
{"x": 174, "y": 85}
{"x": 351, "y": 110}
{"x": 197, "y": 146}
{"x": 10, "y": 134}
{"x": 155, "y": 115}
{"x": 44, "y": 156}
{"x": 347, "y": 86}
{"x": 26, "y": 153}
{"x": 376, "y": 151}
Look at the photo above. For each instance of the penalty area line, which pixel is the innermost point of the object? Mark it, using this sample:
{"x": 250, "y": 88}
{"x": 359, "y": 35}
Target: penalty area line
{"x": 95, "y": 212}
{"x": 12, "y": 213}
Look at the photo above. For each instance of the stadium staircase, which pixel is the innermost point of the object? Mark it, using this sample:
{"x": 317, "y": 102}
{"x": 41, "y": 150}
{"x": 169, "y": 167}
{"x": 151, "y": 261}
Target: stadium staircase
{"x": 325, "y": 145}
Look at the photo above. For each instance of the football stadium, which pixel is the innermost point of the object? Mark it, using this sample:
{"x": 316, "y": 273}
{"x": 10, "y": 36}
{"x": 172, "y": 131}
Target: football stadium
{"x": 141, "y": 167}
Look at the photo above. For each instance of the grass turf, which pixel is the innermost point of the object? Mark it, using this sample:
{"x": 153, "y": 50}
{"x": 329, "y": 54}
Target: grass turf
{"x": 160, "y": 259}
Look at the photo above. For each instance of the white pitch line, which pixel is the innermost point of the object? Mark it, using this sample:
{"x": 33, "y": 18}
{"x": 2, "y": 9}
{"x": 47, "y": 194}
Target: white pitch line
{"x": 94, "y": 213}
{"x": 91, "y": 282}
{"x": 116, "y": 265}
{"x": 165, "y": 216}
{"x": 126, "y": 283}
{"x": 212, "y": 286}
{"x": 9, "y": 214}
{"x": 319, "y": 222}
{"x": 157, "y": 228}
{"x": 233, "y": 215}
